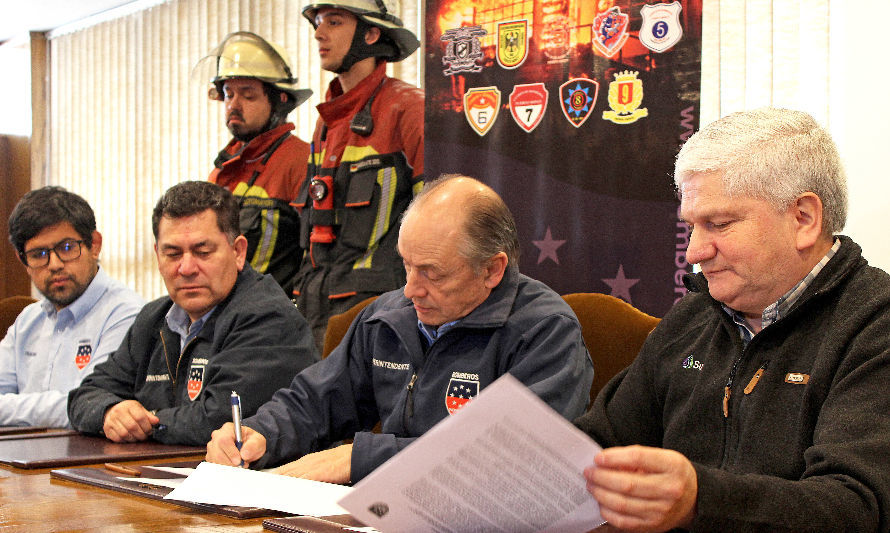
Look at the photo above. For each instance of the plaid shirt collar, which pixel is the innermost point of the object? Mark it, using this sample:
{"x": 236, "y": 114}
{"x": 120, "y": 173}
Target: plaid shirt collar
{"x": 781, "y": 307}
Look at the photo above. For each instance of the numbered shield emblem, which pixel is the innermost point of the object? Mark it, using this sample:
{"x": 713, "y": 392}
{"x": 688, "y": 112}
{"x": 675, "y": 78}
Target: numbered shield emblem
{"x": 576, "y": 97}
{"x": 512, "y": 43}
{"x": 83, "y": 355}
{"x": 625, "y": 97}
{"x": 528, "y": 102}
{"x": 610, "y": 31}
{"x": 661, "y": 28}
{"x": 481, "y": 105}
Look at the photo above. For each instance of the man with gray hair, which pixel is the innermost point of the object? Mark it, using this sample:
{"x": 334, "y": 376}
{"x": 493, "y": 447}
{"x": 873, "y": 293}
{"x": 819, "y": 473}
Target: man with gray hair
{"x": 759, "y": 403}
{"x": 465, "y": 317}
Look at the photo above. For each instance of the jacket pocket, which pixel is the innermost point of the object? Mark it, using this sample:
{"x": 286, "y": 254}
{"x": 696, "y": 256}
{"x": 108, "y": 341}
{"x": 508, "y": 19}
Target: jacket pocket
{"x": 360, "y": 223}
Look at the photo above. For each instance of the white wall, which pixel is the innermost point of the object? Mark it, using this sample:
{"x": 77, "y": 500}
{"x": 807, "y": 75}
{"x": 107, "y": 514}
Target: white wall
{"x": 820, "y": 57}
{"x": 860, "y": 123}
{"x": 15, "y": 63}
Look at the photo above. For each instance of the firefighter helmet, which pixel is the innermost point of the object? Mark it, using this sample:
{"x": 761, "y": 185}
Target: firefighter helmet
{"x": 243, "y": 54}
{"x": 375, "y": 13}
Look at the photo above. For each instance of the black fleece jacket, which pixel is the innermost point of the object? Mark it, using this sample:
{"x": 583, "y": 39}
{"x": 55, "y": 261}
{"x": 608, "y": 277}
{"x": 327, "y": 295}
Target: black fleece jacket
{"x": 808, "y": 448}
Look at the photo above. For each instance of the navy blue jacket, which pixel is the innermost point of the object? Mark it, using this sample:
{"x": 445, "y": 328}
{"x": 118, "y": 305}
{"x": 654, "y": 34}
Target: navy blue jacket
{"x": 254, "y": 343}
{"x": 523, "y": 327}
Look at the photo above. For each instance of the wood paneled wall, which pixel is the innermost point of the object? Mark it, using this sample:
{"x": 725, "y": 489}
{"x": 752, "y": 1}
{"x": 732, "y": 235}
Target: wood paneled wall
{"x": 15, "y": 181}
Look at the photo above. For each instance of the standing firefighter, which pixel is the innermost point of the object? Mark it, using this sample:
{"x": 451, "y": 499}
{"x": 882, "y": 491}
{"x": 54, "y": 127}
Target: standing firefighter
{"x": 264, "y": 165}
{"x": 366, "y": 163}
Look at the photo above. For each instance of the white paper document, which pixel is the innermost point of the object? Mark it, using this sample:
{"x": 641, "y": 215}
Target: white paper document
{"x": 504, "y": 462}
{"x": 229, "y": 485}
{"x": 170, "y": 469}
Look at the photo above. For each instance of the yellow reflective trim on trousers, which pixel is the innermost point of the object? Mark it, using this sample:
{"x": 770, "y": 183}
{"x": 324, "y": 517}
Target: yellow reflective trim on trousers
{"x": 262, "y": 256}
{"x": 387, "y": 179}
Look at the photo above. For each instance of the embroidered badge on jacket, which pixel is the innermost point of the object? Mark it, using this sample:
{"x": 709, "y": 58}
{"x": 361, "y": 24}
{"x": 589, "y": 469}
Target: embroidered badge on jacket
{"x": 84, "y": 354}
{"x": 460, "y": 392}
{"x": 196, "y": 381}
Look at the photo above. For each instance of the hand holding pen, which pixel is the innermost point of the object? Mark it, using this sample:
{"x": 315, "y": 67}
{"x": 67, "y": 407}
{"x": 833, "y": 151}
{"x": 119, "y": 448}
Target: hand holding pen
{"x": 233, "y": 443}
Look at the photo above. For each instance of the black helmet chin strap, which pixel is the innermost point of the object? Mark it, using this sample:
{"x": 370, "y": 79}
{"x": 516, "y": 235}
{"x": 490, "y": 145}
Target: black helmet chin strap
{"x": 280, "y": 109}
{"x": 360, "y": 50}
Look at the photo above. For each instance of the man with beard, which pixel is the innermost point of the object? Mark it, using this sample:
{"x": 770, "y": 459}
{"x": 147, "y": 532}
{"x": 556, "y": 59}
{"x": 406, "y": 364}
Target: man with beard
{"x": 264, "y": 164}
{"x": 84, "y": 313}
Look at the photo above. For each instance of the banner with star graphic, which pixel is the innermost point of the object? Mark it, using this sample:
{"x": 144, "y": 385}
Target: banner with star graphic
{"x": 573, "y": 111}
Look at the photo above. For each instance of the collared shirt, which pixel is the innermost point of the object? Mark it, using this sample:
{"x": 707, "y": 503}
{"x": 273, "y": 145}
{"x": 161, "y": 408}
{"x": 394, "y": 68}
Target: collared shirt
{"x": 431, "y": 333}
{"x": 781, "y": 306}
{"x": 179, "y": 322}
{"x": 46, "y": 353}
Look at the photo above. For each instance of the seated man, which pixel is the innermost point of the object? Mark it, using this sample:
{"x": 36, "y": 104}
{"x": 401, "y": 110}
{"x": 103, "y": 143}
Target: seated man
{"x": 760, "y": 402}
{"x": 81, "y": 319}
{"x": 465, "y": 317}
{"x": 224, "y": 327}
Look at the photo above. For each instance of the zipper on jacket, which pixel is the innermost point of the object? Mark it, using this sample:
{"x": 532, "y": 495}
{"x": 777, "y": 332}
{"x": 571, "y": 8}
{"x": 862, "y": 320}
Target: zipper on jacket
{"x": 727, "y": 389}
{"x": 167, "y": 359}
{"x": 755, "y": 379}
{"x": 726, "y": 394}
{"x": 178, "y": 361}
{"x": 409, "y": 401}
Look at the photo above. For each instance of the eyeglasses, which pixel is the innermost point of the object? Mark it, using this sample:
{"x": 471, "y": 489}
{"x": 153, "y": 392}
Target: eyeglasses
{"x": 67, "y": 250}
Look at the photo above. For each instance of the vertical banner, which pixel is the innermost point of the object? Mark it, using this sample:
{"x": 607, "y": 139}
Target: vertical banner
{"x": 573, "y": 111}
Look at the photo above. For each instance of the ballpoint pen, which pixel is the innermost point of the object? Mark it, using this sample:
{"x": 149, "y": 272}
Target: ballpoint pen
{"x": 236, "y": 419}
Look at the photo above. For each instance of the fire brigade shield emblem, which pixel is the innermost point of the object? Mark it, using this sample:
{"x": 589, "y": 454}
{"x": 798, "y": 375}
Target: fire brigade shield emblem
{"x": 196, "y": 381}
{"x": 83, "y": 355}
{"x": 610, "y": 31}
{"x": 460, "y": 392}
{"x": 481, "y": 105}
{"x": 527, "y": 105}
{"x": 625, "y": 97}
{"x": 462, "y": 49}
{"x": 556, "y": 38}
{"x": 512, "y": 43}
{"x": 576, "y": 97}
{"x": 661, "y": 26}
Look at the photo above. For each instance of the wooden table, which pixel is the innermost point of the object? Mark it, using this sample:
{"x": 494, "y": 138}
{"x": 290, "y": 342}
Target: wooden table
{"x": 31, "y": 501}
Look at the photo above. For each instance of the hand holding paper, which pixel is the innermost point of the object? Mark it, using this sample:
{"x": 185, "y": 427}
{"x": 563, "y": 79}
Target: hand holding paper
{"x": 643, "y": 489}
{"x": 505, "y": 461}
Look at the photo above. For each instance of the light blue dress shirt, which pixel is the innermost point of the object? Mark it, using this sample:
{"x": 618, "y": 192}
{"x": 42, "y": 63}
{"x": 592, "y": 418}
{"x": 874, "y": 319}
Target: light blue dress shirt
{"x": 46, "y": 353}
{"x": 179, "y": 322}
